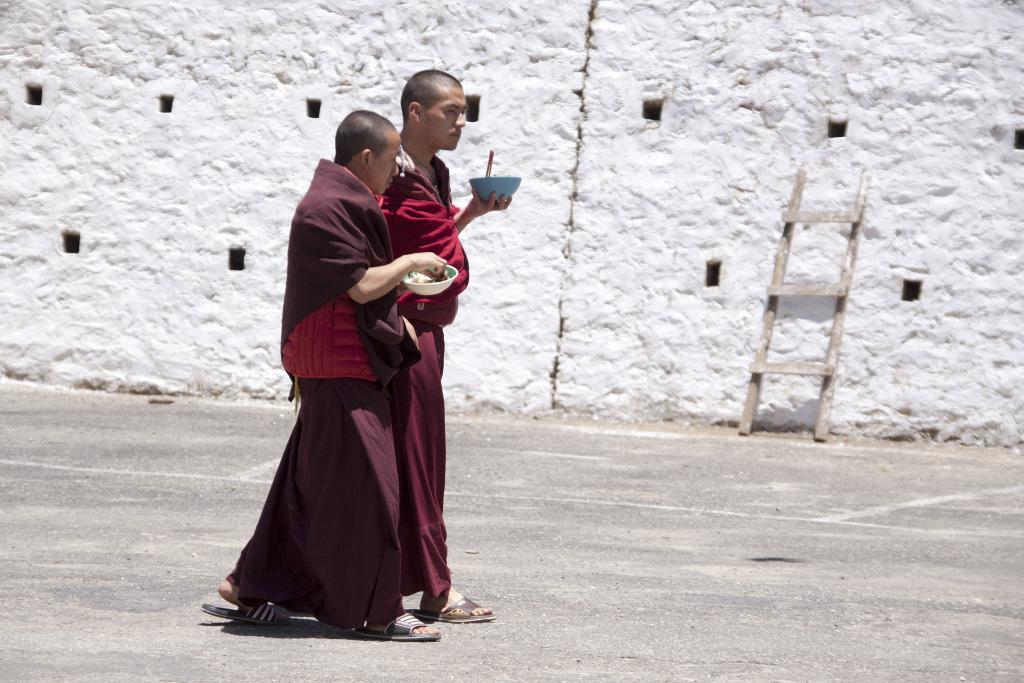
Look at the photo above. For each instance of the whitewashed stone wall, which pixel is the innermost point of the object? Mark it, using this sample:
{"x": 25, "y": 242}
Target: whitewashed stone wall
{"x": 594, "y": 305}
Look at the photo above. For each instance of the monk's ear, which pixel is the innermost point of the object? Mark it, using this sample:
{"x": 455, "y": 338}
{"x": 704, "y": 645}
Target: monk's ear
{"x": 365, "y": 157}
{"x": 415, "y": 111}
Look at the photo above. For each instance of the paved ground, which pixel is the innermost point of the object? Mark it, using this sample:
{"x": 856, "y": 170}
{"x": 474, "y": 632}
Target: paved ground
{"x": 609, "y": 552}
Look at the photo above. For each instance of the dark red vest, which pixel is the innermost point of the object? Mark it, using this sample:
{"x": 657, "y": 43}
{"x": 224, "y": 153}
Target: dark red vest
{"x": 326, "y": 344}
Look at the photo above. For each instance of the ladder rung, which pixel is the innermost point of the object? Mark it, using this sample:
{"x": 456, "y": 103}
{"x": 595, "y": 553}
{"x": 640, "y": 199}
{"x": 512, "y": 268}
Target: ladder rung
{"x": 792, "y": 369}
{"x": 820, "y": 217}
{"x": 809, "y": 289}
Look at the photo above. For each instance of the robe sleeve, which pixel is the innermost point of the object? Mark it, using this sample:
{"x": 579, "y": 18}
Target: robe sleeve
{"x": 335, "y": 249}
{"x": 391, "y": 348}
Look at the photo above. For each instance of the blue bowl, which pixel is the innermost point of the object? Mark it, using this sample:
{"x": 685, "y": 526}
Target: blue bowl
{"x": 500, "y": 185}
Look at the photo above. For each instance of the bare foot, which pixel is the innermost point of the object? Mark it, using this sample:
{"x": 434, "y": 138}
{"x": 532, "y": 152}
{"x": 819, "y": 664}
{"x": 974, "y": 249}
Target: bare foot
{"x": 229, "y": 592}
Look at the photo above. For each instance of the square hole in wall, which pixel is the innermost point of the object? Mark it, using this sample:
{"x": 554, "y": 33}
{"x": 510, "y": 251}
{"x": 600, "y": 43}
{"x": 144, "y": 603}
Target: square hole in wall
{"x": 166, "y": 104}
{"x": 911, "y": 290}
{"x": 34, "y": 94}
{"x": 236, "y": 258}
{"x": 713, "y": 273}
{"x": 472, "y": 108}
{"x": 652, "y": 109}
{"x": 72, "y": 241}
{"x": 1018, "y": 139}
{"x": 836, "y": 128}
{"x": 312, "y": 108}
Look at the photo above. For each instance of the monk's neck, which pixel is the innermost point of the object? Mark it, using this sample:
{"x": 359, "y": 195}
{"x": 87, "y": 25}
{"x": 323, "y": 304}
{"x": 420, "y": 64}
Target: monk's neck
{"x": 420, "y": 152}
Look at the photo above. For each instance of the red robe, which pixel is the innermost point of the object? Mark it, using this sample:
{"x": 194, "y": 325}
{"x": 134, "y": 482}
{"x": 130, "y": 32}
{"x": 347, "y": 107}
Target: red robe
{"x": 421, "y": 218}
{"x": 327, "y": 540}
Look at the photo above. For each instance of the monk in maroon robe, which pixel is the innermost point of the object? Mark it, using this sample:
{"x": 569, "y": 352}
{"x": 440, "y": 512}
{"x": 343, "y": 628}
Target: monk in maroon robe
{"x": 421, "y": 217}
{"x": 327, "y": 540}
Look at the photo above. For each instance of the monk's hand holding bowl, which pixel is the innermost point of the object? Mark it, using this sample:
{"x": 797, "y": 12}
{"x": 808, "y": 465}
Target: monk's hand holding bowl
{"x": 498, "y": 192}
{"x": 498, "y": 204}
{"x": 479, "y": 206}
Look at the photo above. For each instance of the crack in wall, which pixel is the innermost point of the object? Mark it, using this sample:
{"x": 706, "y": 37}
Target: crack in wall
{"x": 571, "y": 227}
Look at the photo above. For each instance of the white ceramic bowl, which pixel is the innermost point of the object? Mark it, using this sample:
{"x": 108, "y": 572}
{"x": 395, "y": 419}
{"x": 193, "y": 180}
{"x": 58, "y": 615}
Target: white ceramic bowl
{"x": 431, "y": 288}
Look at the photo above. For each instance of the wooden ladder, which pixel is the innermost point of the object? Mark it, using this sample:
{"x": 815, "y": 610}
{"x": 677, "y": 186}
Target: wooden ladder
{"x": 827, "y": 370}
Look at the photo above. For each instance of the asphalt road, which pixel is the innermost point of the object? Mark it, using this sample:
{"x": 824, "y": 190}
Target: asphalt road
{"x": 612, "y": 552}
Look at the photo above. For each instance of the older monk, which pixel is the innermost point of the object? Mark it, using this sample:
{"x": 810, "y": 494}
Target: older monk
{"x": 421, "y": 217}
{"x": 327, "y": 540}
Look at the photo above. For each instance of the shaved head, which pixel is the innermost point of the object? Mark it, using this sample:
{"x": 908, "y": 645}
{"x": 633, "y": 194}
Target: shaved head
{"x": 426, "y": 87}
{"x": 361, "y": 130}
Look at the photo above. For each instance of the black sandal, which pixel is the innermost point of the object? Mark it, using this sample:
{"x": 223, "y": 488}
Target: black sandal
{"x": 401, "y": 629}
{"x": 264, "y": 614}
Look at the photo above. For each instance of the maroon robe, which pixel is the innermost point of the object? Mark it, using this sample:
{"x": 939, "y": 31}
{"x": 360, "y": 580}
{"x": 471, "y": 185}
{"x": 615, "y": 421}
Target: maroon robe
{"x": 327, "y": 540}
{"x": 418, "y": 416}
{"x": 421, "y": 218}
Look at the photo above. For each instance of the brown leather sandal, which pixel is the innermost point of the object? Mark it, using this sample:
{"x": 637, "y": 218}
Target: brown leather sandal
{"x": 460, "y": 612}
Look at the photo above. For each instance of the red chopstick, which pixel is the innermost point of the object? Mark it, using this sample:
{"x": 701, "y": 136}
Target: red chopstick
{"x": 490, "y": 162}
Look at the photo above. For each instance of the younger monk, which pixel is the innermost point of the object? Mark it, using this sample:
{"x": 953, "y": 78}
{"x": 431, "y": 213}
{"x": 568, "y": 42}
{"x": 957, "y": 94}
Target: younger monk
{"x": 421, "y": 218}
{"x": 327, "y": 539}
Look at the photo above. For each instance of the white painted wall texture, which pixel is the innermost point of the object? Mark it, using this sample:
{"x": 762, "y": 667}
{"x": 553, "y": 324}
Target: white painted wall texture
{"x": 589, "y": 296}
